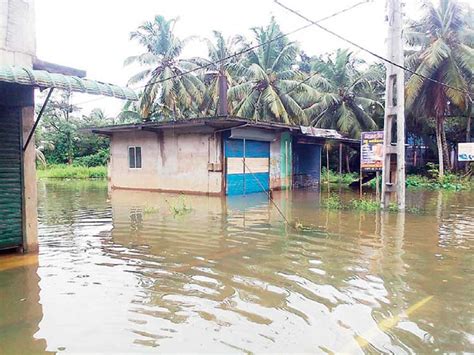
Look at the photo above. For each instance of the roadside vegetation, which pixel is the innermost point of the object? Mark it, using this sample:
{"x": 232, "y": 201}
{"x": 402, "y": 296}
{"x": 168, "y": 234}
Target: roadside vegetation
{"x": 364, "y": 204}
{"x": 63, "y": 171}
{"x": 276, "y": 80}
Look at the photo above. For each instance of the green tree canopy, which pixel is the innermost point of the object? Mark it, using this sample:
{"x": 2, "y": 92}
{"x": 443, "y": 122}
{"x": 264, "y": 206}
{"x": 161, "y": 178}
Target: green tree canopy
{"x": 167, "y": 93}
{"x": 441, "y": 48}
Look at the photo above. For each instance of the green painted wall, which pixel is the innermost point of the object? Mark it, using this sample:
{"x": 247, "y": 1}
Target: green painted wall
{"x": 286, "y": 160}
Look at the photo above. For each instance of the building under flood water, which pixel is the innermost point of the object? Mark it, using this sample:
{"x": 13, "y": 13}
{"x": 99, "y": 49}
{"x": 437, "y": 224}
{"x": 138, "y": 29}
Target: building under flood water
{"x": 216, "y": 156}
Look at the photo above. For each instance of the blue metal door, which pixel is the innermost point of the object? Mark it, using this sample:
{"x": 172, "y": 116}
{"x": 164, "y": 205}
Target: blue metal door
{"x": 247, "y": 166}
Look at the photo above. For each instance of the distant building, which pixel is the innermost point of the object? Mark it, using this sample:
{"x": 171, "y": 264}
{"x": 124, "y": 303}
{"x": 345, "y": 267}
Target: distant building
{"x": 215, "y": 156}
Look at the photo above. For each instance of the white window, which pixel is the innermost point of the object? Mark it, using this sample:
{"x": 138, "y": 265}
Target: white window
{"x": 135, "y": 157}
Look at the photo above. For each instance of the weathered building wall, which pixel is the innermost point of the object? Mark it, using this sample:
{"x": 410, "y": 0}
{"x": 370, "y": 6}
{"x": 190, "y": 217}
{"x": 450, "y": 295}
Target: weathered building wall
{"x": 275, "y": 164}
{"x": 18, "y": 47}
{"x": 281, "y": 162}
{"x": 30, "y": 184}
{"x": 17, "y": 32}
{"x": 170, "y": 162}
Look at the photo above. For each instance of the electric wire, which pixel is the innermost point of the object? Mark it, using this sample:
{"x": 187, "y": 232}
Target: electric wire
{"x": 378, "y": 56}
{"x": 236, "y": 54}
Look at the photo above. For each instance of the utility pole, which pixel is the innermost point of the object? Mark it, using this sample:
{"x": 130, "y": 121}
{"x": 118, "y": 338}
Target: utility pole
{"x": 394, "y": 144}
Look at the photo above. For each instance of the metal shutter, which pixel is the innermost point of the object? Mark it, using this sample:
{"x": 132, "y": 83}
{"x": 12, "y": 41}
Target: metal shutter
{"x": 11, "y": 184}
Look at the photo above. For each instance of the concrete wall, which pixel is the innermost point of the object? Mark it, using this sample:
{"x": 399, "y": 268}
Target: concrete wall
{"x": 171, "y": 161}
{"x": 17, "y": 32}
{"x": 30, "y": 186}
{"x": 275, "y": 164}
{"x": 280, "y": 178}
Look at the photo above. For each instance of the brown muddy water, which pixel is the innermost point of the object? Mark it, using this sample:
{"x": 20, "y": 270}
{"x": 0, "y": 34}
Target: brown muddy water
{"x": 136, "y": 272}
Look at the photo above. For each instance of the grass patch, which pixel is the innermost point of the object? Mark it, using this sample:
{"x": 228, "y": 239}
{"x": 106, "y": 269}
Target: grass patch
{"x": 72, "y": 172}
{"x": 365, "y": 204}
{"x": 178, "y": 207}
{"x": 333, "y": 202}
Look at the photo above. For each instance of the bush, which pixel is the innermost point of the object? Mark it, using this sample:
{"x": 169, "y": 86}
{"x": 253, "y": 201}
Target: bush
{"x": 98, "y": 159}
{"x": 72, "y": 172}
{"x": 334, "y": 177}
{"x": 333, "y": 202}
{"x": 364, "y": 205}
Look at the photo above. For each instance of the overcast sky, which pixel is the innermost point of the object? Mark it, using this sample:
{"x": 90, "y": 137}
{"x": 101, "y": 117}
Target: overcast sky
{"x": 94, "y": 34}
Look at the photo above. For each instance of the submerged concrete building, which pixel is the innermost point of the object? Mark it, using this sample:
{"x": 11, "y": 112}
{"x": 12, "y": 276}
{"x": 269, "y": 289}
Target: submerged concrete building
{"x": 20, "y": 74}
{"x": 215, "y": 156}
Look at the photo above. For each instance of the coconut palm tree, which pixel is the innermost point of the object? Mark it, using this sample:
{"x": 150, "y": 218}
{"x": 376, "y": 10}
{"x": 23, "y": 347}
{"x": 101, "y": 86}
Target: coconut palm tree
{"x": 349, "y": 98}
{"x": 217, "y": 68}
{"x": 441, "y": 46}
{"x": 40, "y": 148}
{"x": 167, "y": 92}
{"x": 270, "y": 84}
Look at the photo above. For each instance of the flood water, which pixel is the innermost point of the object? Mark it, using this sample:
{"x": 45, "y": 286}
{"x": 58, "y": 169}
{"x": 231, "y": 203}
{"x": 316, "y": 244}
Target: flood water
{"x": 135, "y": 272}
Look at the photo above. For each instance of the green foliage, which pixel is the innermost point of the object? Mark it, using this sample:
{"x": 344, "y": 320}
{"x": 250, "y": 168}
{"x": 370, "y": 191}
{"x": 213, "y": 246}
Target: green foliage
{"x": 441, "y": 48}
{"x": 163, "y": 97}
{"x": 61, "y": 140}
{"x": 333, "y": 202}
{"x": 334, "y": 177}
{"x": 98, "y": 159}
{"x": 72, "y": 172}
{"x": 178, "y": 207}
{"x": 364, "y": 204}
{"x": 150, "y": 210}
{"x": 350, "y": 97}
{"x": 451, "y": 182}
{"x": 269, "y": 86}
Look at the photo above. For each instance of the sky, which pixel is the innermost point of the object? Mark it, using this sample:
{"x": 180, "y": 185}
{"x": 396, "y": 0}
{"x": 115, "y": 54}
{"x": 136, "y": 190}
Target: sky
{"x": 94, "y": 34}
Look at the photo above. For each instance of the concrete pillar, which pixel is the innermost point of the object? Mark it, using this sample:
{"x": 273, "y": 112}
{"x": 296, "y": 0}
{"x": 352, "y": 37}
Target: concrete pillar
{"x": 30, "y": 223}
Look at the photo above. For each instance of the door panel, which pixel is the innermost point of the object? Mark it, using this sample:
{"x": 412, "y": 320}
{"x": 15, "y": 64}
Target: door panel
{"x": 251, "y": 176}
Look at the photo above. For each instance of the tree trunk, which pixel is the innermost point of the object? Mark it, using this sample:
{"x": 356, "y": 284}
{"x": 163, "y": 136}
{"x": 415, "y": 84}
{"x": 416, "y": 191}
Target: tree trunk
{"x": 468, "y": 131}
{"x": 439, "y": 144}
{"x": 446, "y": 155}
{"x": 348, "y": 166}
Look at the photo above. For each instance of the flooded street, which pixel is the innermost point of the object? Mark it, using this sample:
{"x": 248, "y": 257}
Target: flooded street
{"x": 148, "y": 272}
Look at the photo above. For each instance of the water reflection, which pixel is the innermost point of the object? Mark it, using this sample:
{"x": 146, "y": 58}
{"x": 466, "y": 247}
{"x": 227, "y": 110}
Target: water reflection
{"x": 138, "y": 271}
{"x": 20, "y": 307}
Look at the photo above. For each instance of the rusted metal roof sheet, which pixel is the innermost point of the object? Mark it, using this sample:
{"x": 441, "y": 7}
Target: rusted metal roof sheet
{"x": 44, "y": 79}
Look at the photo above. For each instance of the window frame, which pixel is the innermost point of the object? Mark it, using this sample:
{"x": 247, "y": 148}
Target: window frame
{"x": 135, "y": 160}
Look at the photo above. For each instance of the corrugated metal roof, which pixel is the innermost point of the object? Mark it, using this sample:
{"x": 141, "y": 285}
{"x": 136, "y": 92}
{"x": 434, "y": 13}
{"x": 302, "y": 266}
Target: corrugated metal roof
{"x": 44, "y": 79}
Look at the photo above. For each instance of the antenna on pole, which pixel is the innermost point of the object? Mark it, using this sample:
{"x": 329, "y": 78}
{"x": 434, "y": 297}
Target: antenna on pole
{"x": 393, "y": 171}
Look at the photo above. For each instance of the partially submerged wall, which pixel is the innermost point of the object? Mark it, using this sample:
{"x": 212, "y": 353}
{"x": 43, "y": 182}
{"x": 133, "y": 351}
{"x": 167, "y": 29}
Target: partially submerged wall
{"x": 281, "y": 162}
{"x": 171, "y": 161}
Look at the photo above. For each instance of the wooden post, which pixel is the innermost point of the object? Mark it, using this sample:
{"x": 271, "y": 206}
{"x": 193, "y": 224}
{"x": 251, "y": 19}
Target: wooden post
{"x": 394, "y": 110}
{"x": 340, "y": 162}
{"x": 377, "y": 186}
{"x": 327, "y": 164}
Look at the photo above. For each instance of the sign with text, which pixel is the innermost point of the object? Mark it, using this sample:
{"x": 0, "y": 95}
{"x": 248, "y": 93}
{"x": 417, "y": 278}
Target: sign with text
{"x": 466, "y": 152}
{"x": 371, "y": 151}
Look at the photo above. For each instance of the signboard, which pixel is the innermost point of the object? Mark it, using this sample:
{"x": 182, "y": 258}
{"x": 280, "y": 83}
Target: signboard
{"x": 371, "y": 151}
{"x": 466, "y": 152}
